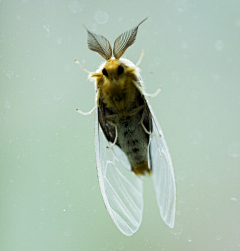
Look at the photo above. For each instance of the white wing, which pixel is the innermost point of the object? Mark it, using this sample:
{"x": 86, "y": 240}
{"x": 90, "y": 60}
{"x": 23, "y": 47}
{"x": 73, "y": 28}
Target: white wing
{"x": 162, "y": 174}
{"x": 121, "y": 189}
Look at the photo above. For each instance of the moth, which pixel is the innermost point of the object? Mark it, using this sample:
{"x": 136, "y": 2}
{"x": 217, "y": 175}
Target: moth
{"x": 129, "y": 142}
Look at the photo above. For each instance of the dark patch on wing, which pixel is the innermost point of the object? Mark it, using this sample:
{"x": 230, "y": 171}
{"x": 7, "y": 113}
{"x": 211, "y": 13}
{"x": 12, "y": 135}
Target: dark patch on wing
{"x": 108, "y": 130}
{"x": 147, "y": 121}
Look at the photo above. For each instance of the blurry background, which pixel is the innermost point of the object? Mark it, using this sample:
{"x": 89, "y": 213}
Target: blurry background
{"x": 50, "y": 199}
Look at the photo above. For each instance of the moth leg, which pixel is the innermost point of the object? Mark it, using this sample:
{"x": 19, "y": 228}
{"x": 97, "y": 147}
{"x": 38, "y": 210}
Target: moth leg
{"x": 136, "y": 110}
{"x": 77, "y": 62}
{"x": 116, "y": 135}
{"x": 87, "y": 113}
{"x": 141, "y": 122}
{"x": 131, "y": 113}
{"x": 112, "y": 117}
{"x": 153, "y": 94}
{"x": 140, "y": 58}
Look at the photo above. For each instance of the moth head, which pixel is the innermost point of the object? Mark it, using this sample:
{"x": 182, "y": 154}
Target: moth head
{"x": 102, "y": 46}
{"x": 113, "y": 69}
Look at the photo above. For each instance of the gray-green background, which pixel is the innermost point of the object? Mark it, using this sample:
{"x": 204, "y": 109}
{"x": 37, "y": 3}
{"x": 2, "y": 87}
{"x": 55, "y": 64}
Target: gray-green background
{"x": 50, "y": 199}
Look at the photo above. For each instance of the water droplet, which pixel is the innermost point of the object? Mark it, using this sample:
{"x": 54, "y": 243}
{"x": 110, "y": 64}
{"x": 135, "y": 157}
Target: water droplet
{"x": 215, "y": 77}
{"x": 58, "y": 94}
{"x": 68, "y": 232}
{"x": 184, "y": 45}
{"x": 181, "y": 176}
{"x": 233, "y": 199}
{"x": 179, "y": 28}
{"x": 74, "y": 7}
{"x": 181, "y": 200}
{"x": 189, "y": 239}
{"x": 146, "y": 238}
{"x": 40, "y": 225}
{"x": 218, "y": 237}
{"x": 46, "y": 27}
{"x": 67, "y": 68}
{"x": 59, "y": 40}
{"x": 9, "y": 74}
{"x": 238, "y": 22}
{"x": 208, "y": 215}
{"x": 214, "y": 181}
{"x": 181, "y": 5}
{"x": 194, "y": 137}
{"x": 176, "y": 230}
{"x": 195, "y": 95}
{"x": 94, "y": 27}
{"x": 68, "y": 157}
{"x": 207, "y": 156}
{"x": 101, "y": 17}
{"x": 175, "y": 76}
{"x": 219, "y": 45}
{"x": 7, "y": 104}
{"x": 234, "y": 150}
{"x": 178, "y": 212}
{"x": 18, "y": 16}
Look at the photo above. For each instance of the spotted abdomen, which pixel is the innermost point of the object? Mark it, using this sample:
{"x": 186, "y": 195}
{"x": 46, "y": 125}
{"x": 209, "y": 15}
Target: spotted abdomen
{"x": 133, "y": 141}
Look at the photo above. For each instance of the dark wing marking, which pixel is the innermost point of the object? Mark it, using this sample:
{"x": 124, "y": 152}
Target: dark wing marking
{"x": 108, "y": 129}
{"x": 124, "y": 41}
{"x": 99, "y": 44}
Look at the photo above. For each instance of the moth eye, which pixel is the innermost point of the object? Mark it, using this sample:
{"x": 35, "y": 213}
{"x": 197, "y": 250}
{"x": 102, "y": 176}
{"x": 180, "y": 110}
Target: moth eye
{"x": 104, "y": 72}
{"x": 120, "y": 70}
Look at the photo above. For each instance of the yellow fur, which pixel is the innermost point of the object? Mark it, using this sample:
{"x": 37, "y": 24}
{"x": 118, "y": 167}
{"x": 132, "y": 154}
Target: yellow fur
{"x": 141, "y": 168}
{"x": 118, "y": 92}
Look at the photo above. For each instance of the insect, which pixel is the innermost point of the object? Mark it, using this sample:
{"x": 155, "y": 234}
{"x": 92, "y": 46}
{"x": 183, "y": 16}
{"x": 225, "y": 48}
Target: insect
{"x": 129, "y": 143}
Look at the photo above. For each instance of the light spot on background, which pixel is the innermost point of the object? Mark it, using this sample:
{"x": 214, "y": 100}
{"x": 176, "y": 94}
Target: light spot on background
{"x": 234, "y": 150}
{"x": 74, "y": 7}
{"x": 219, "y": 45}
{"x": 194, "y": 137}
{"x": 177, "y": 230}
{"x": 58, "y": 94}
{"x": 101, "y": 17}
{"x": 7, "y": 105}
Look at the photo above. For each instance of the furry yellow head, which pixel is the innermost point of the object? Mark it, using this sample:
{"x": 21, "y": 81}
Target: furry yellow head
{"x": 115, "y": 84}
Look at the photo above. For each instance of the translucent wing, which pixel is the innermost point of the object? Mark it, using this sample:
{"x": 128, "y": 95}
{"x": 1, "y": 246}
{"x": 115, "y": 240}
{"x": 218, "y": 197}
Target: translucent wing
{"x": 162, "y": 174}
{"x": 99, "y": 44}
{"x": 121, "y": 189}
{"x": 124, "y": 41}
